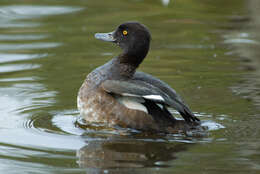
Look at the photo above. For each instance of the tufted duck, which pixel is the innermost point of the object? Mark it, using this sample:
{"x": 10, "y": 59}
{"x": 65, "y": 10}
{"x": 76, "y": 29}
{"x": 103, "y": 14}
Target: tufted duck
{"x": 115, "y": 94}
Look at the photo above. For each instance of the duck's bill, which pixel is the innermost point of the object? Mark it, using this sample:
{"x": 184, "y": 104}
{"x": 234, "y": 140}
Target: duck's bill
{"x": 105, "y": 36}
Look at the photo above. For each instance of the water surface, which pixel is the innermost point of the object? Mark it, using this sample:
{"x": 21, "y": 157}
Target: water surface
{"x": 47, "y": 48}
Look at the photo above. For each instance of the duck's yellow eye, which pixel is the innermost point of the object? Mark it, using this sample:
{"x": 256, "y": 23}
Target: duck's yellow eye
{"x": 124, "y": 32}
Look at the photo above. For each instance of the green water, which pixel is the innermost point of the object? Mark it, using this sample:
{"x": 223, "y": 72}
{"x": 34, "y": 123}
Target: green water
{"x": 47, "y": 48}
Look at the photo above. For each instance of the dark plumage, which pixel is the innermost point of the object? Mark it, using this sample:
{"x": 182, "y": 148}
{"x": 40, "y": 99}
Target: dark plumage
{"x": 115, "y": 94}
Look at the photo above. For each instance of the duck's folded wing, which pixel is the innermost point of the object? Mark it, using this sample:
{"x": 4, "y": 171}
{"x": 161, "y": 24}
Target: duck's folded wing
{"x": 185, "y": 111}
{"x": 134, "y": 88}
{"x": 157, "y": 83}
{"x": 142, "y": 89}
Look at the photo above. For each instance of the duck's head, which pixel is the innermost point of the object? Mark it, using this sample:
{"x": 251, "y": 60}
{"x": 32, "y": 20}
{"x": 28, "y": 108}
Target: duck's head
{"x": 133, "y": 37}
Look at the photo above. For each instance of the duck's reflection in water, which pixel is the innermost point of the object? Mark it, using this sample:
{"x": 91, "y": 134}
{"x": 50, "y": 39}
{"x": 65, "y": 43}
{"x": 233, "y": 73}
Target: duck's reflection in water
{"x": 115, "y": 155}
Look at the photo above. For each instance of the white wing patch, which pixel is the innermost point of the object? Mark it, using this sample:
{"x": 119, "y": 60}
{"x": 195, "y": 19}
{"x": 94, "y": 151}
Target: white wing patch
{"x": 161, "y": 106}
{"x": 153, "y": 97}
{"x": 149, "y": 97}
{"x": 132, "y": 103}
{"x": 130, "y": 95}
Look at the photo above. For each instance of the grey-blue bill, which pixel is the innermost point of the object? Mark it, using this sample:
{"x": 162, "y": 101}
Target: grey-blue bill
{"x": 105, "y": 36}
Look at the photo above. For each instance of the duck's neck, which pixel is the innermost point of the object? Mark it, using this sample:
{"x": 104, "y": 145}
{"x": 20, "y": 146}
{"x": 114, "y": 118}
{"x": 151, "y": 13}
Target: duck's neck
{"x": 123, "y": 69}
{"x": 129, "y": 60}
{"x": 134, "y": 55}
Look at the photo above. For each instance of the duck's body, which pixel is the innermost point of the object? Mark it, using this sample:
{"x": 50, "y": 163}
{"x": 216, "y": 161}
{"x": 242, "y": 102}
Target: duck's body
{"x": 116, "y": 95}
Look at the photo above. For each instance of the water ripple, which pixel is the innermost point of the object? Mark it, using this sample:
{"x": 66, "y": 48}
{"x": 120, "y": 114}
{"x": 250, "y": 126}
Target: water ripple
{"x": 65, "y": 121}
{"x": 19, "y": 79}
{"x": 28, "y": 46}
{"x": 18, "y": 57}
{"x": 10, "y": 15}
{"x": 188, "y": 46}
{"x": 16, "y": 37}
{"x": 15, "y": 24}
{"x": 20, "y": 67}
{"x": 241, "y": 41}
{"x": 240, "y": 38}
{"x": 30, "y": 11}
{"x": 212, "y": 125}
